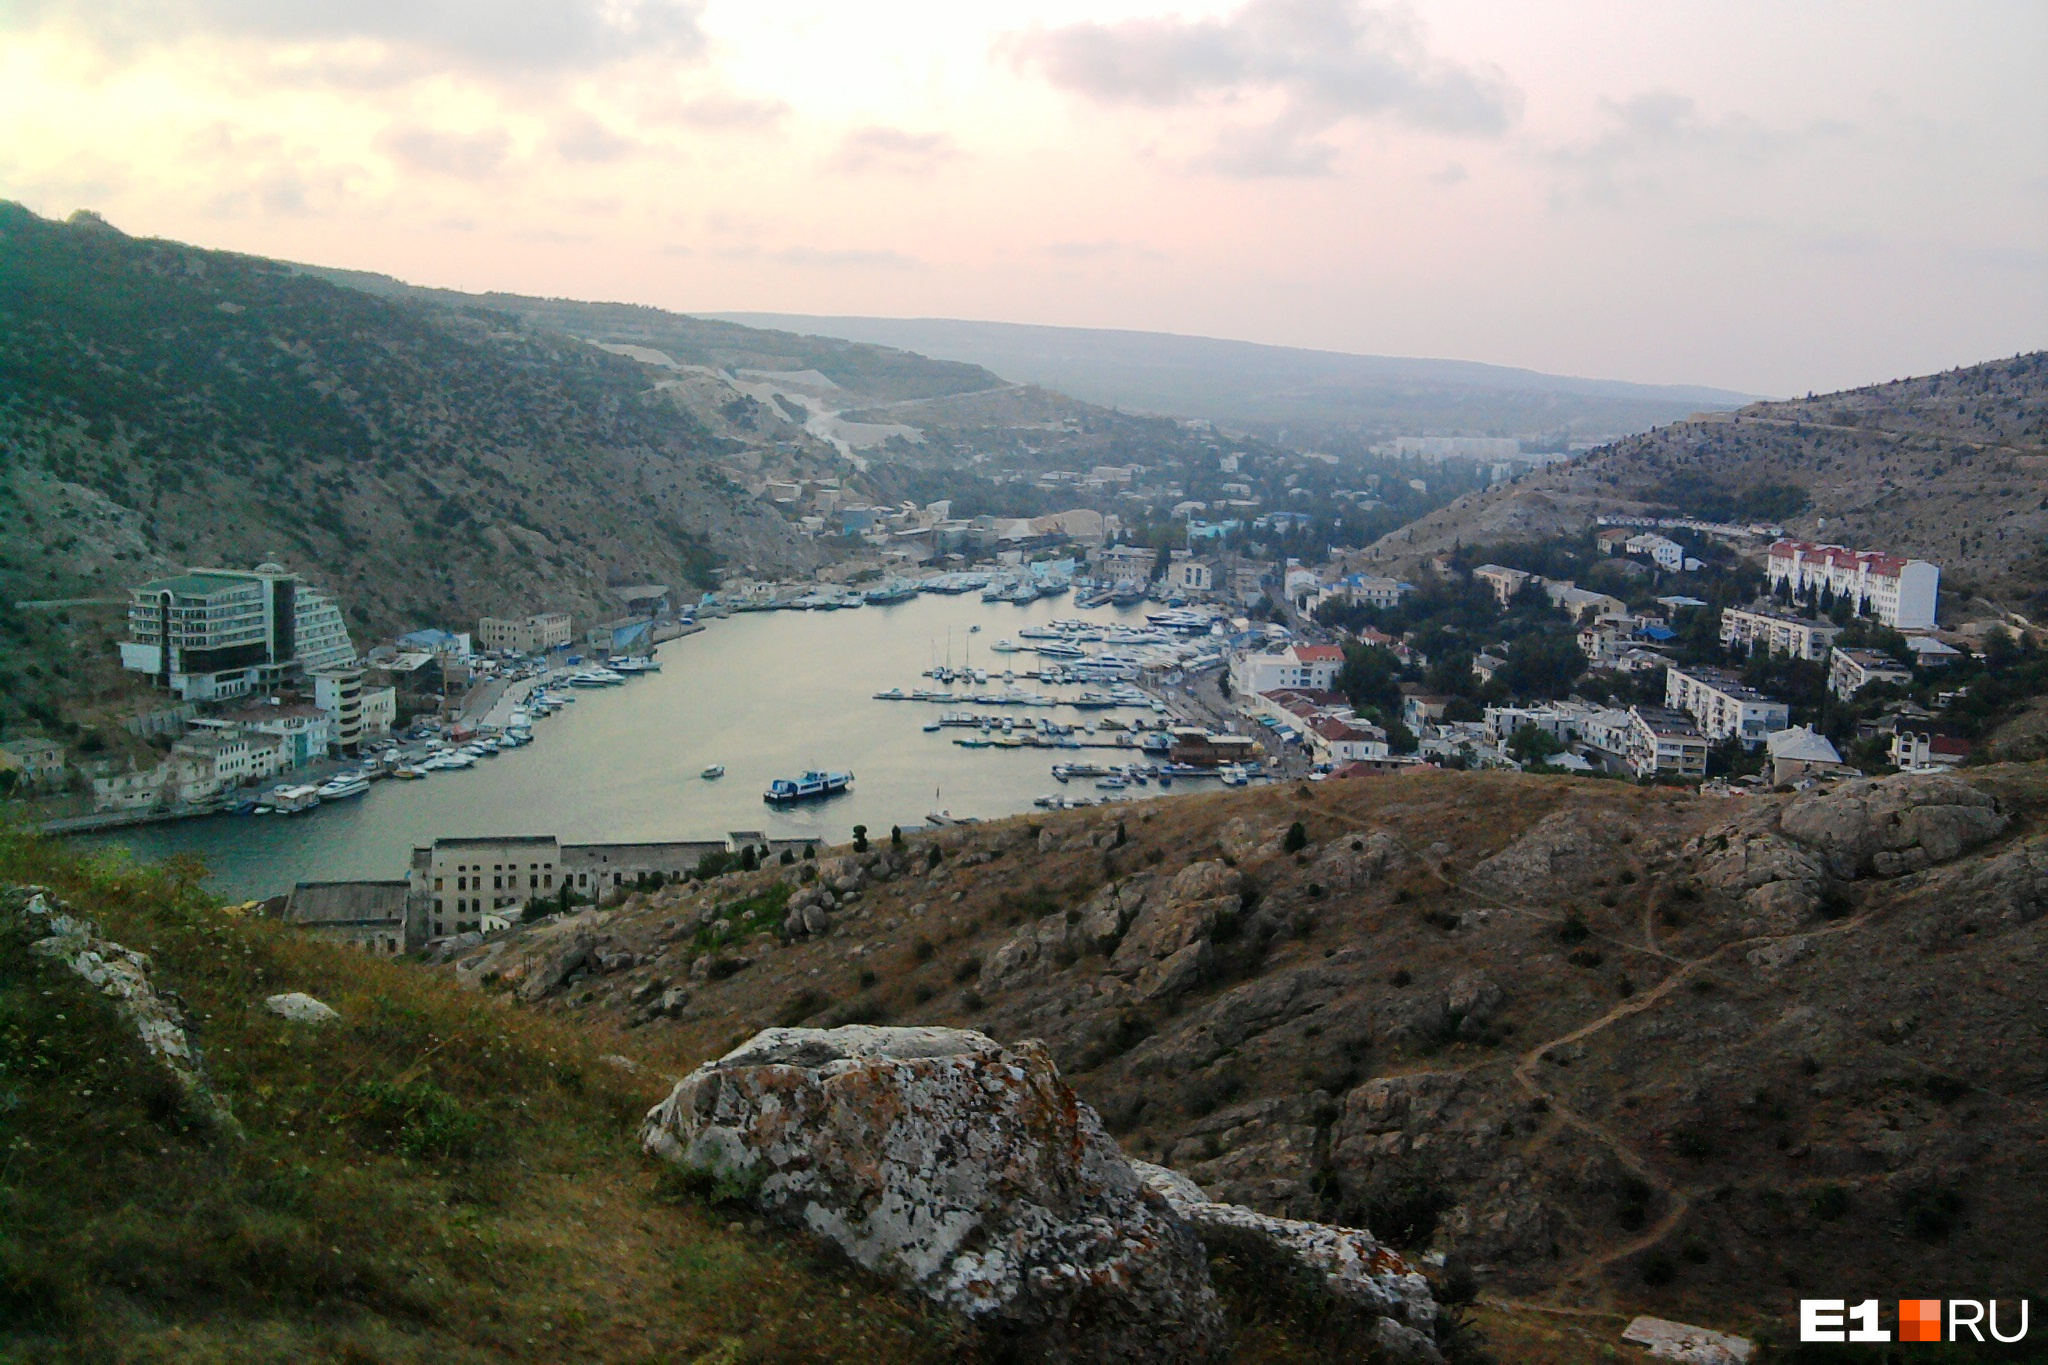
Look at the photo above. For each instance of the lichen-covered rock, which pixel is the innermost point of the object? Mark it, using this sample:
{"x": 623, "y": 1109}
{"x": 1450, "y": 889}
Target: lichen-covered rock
{"x": 300, "y": 1008}
{"x": 1349, "y": 1264}
{"x": 1199, "y": 898}
{"x": 1890, "y": 826}
{"x": 966, "y": 1170}
{"x": 122, "y": 975}
{"x": 1563, "y": 852}
{"x": 553, "y": 964}
{"x": 1347, "y": 864}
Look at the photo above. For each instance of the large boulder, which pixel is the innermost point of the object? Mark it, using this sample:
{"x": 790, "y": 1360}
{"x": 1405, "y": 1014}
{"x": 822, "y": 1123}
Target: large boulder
{"x": 965, "y": 1170}
{"x": 1167, "y": 947}
{"x": 1890, "y": 826}
{"x": 1349, "y": 1265}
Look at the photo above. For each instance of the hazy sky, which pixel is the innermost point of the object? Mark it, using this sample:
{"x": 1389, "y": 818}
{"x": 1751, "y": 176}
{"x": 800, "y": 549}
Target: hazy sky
{"x": 1767, "y": 196}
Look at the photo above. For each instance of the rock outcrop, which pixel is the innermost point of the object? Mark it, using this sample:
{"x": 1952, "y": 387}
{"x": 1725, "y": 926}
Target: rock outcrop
{"x": 970, "y": 1172}
{"x": 966, "y": 1170}
{"x": 1347, "y": 1264}
{"x": 122, "y": 975}
{"x": 300, "y": 1008}
{"x": 1890, "y": 826}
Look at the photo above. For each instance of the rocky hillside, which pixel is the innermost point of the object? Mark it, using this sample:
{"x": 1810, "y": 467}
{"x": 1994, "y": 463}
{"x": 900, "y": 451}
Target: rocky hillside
{"x": 1951, "y": 467}
{"x": 1604, "y": 1048}
{"x": 167, "y": 406}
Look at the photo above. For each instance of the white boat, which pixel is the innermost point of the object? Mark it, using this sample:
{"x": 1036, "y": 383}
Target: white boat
{"x": 715, "y": 770}
{"x": 343, "y": 786}
{"x": 292, "y": 800}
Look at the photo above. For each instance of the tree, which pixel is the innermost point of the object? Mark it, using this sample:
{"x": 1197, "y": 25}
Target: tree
{"x": 1371, "y": 676}
{"x": 1532, "y": 744}
{"x": 1297, "y": 838}
{"x": 1543, "y": 665}
{"x": 749, "y": 860}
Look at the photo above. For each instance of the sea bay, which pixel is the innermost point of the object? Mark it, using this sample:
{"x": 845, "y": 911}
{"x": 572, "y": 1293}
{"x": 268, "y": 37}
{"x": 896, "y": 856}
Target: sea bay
{"x": 767, "y": 694}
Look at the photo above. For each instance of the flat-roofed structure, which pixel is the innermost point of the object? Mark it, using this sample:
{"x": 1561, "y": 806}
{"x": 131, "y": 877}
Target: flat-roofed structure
{"x": 1778, "y": 632}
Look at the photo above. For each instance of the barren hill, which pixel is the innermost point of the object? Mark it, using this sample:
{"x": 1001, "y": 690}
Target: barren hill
{"x": 1614, "y": 1049}
{"x": 1951, "y": 467}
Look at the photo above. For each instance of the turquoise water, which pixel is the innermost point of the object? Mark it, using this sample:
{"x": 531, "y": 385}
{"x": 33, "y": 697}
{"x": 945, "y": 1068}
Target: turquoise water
{"x": 768, "y": 694}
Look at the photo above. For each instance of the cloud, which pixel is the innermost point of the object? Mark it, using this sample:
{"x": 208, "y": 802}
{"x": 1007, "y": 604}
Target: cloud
{"x": 585, "y": 139}
{"x": 893, "y": 150}
{"x": 503, "y": 37}
{"x": 1323, "y": 61}
{"x": 727, "y": 112}
{"x": 1106, "y": 248}
{"x": 839, "y": 260}
{"x": 466, "y": 156}
{"x": 1650, "y": 137}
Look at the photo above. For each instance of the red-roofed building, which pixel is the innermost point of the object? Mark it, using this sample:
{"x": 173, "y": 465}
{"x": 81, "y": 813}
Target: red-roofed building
{"x": 1299, "y": 666}
{"x": 1899, "y": 592}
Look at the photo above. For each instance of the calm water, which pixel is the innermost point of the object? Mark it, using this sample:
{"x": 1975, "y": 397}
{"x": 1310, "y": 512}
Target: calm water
{"x": 768, "y": 694}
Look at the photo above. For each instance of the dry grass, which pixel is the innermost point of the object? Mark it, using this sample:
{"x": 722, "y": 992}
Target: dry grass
{"x": 436, "y": 1178}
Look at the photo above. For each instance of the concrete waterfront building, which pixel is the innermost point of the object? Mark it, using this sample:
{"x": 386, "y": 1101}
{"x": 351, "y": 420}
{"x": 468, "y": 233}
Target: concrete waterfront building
{"x": 339, "y": 693}
{"x": 1778, "y": 632}
{"x": 1899, "y": 592}
{"x": 212, "y": 634}
{"x": 456, "y": 882}
{"x": 373, "y": 916}
{"x": 1723, "y": 706}
{"x": 535, "y": 634}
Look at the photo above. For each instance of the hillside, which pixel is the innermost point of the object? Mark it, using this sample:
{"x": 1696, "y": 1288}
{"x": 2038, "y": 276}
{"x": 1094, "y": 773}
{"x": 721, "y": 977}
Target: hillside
{"x": 1951, "y": 468}
{"x": 1611, "y": 1049}
{"x": 1316, "y": 395}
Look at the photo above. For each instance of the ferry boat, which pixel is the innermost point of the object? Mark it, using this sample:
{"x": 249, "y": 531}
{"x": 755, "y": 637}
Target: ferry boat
{"x": 715, "y": 770}
{"x": 895, "y": 590}
{"x": 812, "y": 786}
{"x": 343, "y": 786}
{"x": 292, "y": 800}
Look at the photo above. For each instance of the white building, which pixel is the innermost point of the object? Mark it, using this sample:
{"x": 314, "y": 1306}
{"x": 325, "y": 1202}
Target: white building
{"x": 1192, "y": 575}
{"x": 217, "y": 633}
{"x": 1778, "y": 632}
{"x": 1899, "y": 592}
{"x": 339, "y": 693}
{"x": 1312, "y": 667}
{"x": 1663, "y": 743}
{"x": 1366, "y": 590}
{"x": 1852, "y": 670}
{"x": 1662, "y": 551}
{"x": 1723, "y": 706}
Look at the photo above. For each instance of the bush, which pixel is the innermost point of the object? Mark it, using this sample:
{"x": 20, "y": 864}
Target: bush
{"x": 860, "y": 838}
{"x": 1297, "y": 838}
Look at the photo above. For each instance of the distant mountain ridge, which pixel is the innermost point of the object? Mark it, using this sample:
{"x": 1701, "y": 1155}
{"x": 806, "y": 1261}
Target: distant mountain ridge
{"x": 1249, "y": 383}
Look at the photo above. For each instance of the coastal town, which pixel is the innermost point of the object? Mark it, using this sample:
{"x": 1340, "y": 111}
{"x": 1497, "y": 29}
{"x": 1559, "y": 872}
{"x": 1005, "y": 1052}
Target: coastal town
{"x": 1683, "y": 653}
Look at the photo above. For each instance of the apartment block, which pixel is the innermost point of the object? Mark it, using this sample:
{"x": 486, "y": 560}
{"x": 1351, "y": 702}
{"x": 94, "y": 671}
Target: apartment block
{"x": 1778, "y": 632}
{"x": 1723, "y": 706}
{"x": 213, "y": 634}
{"x": 1664, "y": 743}
{"x": 1899, "y": 592}
{"x": 1852, "y": 670}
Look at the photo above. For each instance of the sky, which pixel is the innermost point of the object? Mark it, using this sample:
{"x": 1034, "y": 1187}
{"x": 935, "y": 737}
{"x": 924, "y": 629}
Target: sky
{"x": 1766, "y": 197}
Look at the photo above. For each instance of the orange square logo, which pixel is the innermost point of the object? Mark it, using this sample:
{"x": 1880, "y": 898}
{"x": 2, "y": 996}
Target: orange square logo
{"x": 1919, "y": 1319}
